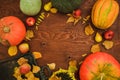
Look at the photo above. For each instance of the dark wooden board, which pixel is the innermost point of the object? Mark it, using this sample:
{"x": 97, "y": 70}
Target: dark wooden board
{"x": 57, "y": 41}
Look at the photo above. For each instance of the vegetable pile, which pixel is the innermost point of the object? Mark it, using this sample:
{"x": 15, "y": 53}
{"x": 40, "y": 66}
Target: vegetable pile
{"x": 25, "y": 70}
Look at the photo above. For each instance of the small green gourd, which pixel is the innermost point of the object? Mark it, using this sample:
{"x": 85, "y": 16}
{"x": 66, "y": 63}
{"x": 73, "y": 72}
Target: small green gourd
{"x": 30, "y": 7}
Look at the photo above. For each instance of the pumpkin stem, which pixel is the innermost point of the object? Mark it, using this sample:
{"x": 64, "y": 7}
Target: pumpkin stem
{"x": 6, "y": 29}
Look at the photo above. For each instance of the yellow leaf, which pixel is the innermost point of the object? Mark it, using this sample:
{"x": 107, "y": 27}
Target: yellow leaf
{"x": 35, "y": 69}
{"x": 12, "y": 50}
{"x": 98, "y": 37}
{"x": 76, "y": 20}
{"x": 108, "y": 44}
{"x": 52, "y": 66}
{"x": 95, "y": 48}
{"x": 70, "y": 19}
{"x": 53, "y": 10}
{"x": 37, "y": 55}
{"x": 29, "y": 34}
{"x": 47, "y": 6}
{"x": 89, "y": 30}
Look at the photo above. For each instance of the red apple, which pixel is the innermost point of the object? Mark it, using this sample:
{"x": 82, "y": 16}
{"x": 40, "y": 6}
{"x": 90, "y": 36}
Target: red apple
{"x": 25, "y": 68}
{"x": 77, "y": 13}
{"x": 108, "y": 35}
{"x": 24, "y": 47}
{"x": 100, "y": 66}
{"x": 30, "y": 21}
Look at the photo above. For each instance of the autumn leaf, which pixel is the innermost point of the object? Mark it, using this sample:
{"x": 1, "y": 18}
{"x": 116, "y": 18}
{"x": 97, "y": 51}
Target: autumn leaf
{"x": 89, "y": 30}
{"x": 76, "y": 20}
{"x": 70, "y": 19}
{"x": 29, "y": 34}
{"x": 35, "y": 69}
{"x": 108, "y": 44}
{"x": 37, "y": 55}
{"x": 95, "y": 48}
{"x": 51, "y": 66}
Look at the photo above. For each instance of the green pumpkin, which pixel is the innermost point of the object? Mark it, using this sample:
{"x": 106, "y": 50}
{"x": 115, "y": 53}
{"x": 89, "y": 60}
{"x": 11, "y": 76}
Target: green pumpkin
{"x": 66, "y": 6}
{"x": 30, "y": 7}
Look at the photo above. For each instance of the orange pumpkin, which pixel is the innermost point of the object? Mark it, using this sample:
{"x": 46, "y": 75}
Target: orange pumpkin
{"x": 104, "y": 13}
{"x": 12, "y": 30}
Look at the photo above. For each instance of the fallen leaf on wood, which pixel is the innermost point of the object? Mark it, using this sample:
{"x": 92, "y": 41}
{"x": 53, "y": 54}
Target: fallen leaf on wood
{"x": 37, "y": 55}
{"x": 89, "y": 30}
{"x": 98, "y": 37}
{"x": 29, "y": 34}
{"x": 70, "y": 19}
{"x": 108, "y": 44}
{"x": 95, "y": 48}
{"x": 73, "y": 19}
{"x": 76, "y": 20}
{"x": 52, "y": 66}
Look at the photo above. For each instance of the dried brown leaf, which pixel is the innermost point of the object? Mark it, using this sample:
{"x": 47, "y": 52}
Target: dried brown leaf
{"x": 95, "y": 48}
{"x": 89, "y": 30}
{"x": 108, "y": 44}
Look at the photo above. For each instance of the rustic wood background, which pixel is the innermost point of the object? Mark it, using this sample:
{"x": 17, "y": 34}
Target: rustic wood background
{"x": 57, "y": 41}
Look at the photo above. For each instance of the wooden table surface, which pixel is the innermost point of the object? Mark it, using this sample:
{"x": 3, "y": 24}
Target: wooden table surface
{"x": 57, "y": 41}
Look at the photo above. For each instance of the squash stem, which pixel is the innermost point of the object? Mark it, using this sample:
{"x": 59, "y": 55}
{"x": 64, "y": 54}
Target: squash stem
{"x": 101, "y": 76}
{"x": 6, "y": 29}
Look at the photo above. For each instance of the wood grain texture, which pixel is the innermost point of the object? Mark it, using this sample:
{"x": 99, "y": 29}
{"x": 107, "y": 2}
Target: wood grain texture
{"x": 57, "y": 41}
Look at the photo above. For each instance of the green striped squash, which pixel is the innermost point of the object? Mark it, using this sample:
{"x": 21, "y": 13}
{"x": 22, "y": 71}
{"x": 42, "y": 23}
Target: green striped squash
{"x": 104, "y": 13}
